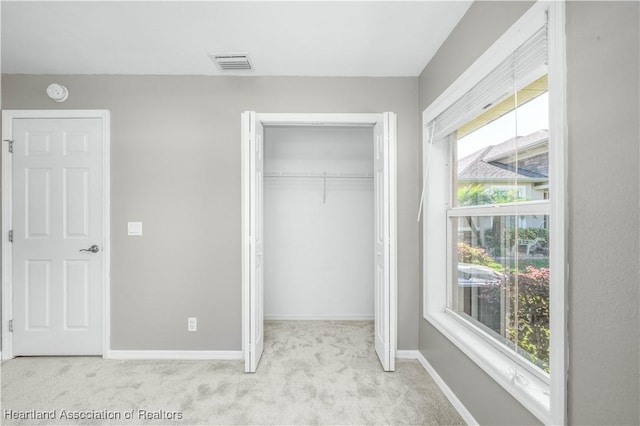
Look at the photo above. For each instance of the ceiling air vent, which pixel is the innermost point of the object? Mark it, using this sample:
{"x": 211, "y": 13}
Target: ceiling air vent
{"x": 231, "y": 61}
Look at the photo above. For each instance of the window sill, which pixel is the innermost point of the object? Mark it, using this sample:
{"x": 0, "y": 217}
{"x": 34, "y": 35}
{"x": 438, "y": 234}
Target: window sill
{"x": 526, "y": 387}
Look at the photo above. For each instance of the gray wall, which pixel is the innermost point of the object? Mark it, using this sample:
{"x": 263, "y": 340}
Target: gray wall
{"x": 175, "y": 166}
{"x": 603, "y": 46}
{"x": 603, "y": 198}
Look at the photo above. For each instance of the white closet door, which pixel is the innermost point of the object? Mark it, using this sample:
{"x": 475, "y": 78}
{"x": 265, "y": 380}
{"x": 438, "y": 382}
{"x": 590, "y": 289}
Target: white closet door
{"x": 384, "y": 219}
{"x": 253, "y": 150}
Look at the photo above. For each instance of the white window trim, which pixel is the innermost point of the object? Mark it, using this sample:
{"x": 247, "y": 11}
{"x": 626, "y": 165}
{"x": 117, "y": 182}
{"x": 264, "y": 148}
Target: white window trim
{"x": 544, "y": 397}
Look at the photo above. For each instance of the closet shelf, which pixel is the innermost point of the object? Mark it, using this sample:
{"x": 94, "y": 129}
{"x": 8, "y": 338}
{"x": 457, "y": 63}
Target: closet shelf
{"x": 318, "y": 174}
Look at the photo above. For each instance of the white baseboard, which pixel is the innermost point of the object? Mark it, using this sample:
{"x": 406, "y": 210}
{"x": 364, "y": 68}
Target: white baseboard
{"x": 446, "y": 390}
{"x": 404, "y": 354}
{"x": 318, "y": 317}
{"x": 183, "y": 355}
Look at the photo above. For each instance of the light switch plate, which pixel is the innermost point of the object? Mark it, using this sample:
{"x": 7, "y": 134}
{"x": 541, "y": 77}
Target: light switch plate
{"x": 134, "y": 229}
{"x": 192, "y": 324}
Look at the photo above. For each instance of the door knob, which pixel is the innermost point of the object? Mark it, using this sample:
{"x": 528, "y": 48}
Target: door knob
{"x": 93, "y": 249}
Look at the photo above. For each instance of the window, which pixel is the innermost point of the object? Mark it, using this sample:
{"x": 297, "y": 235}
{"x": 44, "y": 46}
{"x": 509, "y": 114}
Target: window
{"x": 500, "y": 260}
{"x": 494, "y": 216}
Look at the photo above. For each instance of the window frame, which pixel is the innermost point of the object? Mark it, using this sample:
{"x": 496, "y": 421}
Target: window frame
{"x": 543, "y": 395}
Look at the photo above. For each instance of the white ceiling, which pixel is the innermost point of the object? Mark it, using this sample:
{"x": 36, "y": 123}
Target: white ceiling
{"x": 282, "y": 38}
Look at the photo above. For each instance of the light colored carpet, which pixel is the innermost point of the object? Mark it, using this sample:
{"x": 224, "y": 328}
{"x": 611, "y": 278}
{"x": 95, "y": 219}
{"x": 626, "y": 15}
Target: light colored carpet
{"x": 311, "y": 372}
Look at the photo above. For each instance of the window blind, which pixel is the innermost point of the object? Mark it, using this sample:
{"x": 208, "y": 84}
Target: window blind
{"x": 519, "y": 69}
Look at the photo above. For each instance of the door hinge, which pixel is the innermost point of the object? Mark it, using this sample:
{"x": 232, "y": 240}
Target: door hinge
{"x": 10, "y": 236}
{"x": 10, "y": 326}
{"x": 10, "y": 145}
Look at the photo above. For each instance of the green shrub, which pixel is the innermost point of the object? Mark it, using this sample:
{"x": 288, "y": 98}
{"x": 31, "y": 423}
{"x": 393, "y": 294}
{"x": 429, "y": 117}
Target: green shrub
{"x": 532, "y": 330}
{"x": 476, "y": 256}
{"x": 527, "y": 316}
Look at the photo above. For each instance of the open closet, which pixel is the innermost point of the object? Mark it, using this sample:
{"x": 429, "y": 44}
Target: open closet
{"x": 318, "y": 222}
{"x": 319, "y": 238}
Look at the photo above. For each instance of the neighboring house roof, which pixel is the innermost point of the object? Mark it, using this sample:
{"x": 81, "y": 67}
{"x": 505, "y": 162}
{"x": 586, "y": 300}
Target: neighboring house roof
{"x": 522, "y": 143}
{"x": 485, "y": 165}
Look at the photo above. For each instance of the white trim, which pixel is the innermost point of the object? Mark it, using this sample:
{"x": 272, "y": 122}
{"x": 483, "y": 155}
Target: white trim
{"x": 546, "y": 399}
{"x": 7, "y": 258}
{"x": 169, "y": 355}
{"x": 446, "y": 390}
{"x": 532, "y": 394}
{"x": 56, "y": 113}
{"x": 559, "y": 224}
{"x": 7, "y": 181}
{"x": 318, "y": 317}
{"x": 407, "y": 354}
{"x": 524, "y": 208}
{"x": 106, "y": 242}
{"x": 315, "y": 119}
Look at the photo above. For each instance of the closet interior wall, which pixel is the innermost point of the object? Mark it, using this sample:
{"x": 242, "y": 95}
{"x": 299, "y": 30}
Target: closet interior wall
{"x": 318, "y": 222}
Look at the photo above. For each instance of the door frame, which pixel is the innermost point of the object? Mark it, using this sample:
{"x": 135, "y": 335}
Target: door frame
{"x": 323, "y": 119}
{"x": 7, "y": 209}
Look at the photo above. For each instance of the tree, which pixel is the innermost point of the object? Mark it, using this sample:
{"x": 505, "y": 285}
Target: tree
{"x": 476, "y": 194}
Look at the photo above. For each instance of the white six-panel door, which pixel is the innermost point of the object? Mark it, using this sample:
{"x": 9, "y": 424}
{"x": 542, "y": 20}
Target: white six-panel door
{"x": 384, "y": 220}
{"x": 57, "y": 211}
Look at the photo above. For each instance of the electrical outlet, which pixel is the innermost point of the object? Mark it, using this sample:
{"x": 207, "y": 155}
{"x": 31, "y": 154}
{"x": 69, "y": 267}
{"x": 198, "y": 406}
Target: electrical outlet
{"x": 192, "y": 324}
